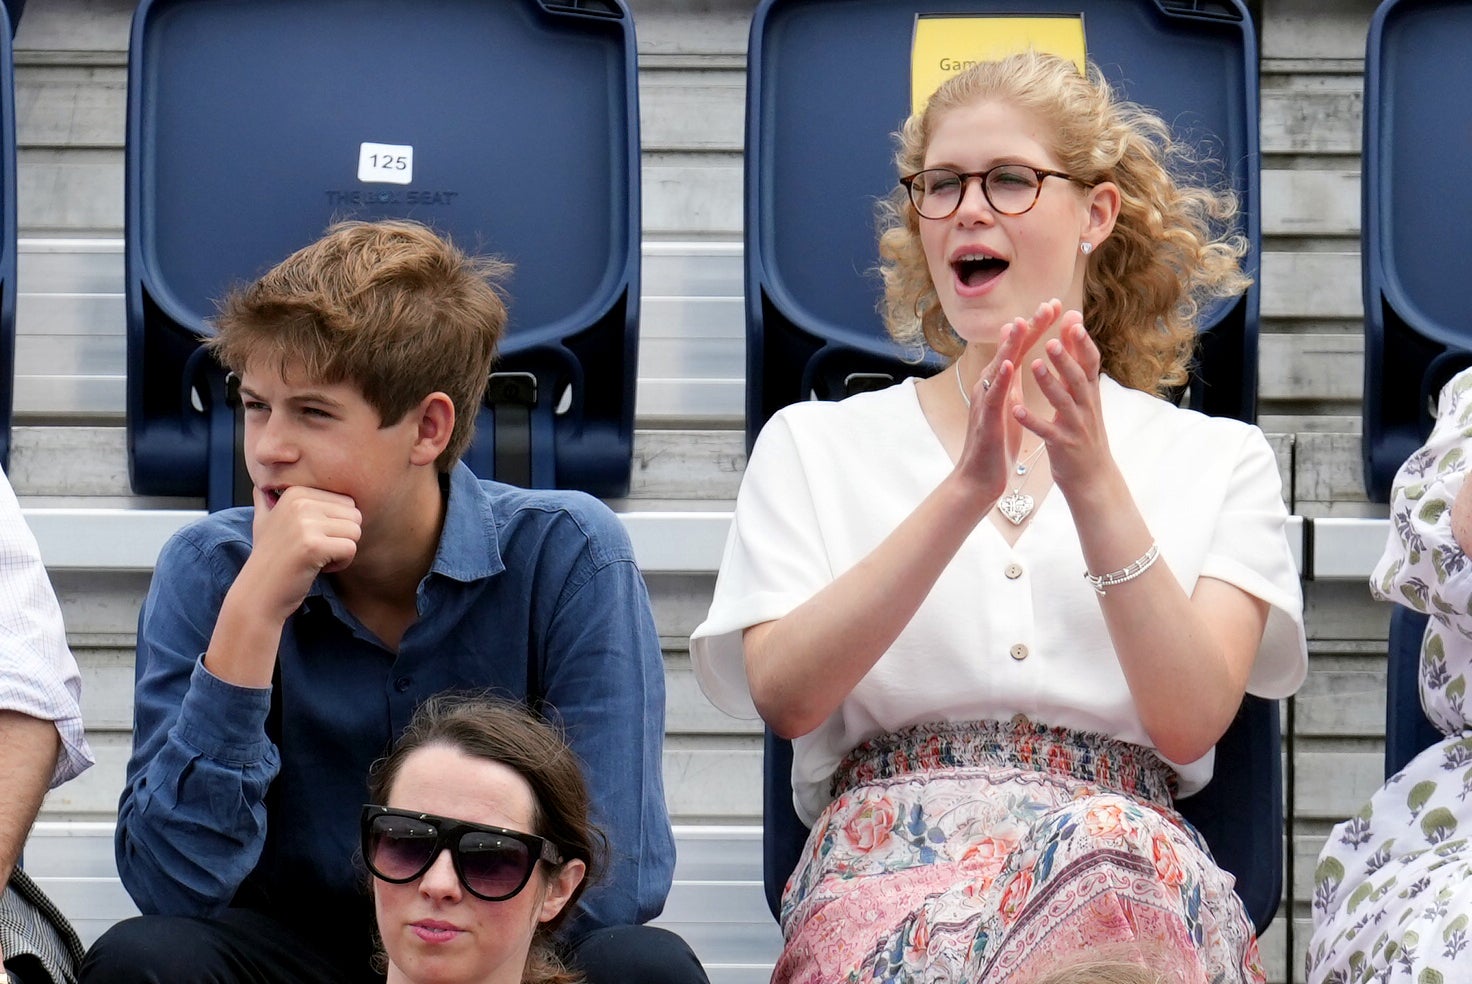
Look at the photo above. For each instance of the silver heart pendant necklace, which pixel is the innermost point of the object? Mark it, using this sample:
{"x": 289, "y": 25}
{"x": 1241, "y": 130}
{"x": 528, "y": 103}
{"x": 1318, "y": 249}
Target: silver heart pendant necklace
{"x": 1017, "y": 505}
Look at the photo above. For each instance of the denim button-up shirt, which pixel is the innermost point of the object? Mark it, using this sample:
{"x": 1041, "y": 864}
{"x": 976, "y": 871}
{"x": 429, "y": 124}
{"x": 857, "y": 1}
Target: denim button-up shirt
{"x": 238, "y": 796}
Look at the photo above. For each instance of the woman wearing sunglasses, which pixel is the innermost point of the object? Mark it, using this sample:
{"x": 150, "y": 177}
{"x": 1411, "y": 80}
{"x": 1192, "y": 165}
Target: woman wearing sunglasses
{"x": 479, "y": 842}
{"x": 1007, "y": 612}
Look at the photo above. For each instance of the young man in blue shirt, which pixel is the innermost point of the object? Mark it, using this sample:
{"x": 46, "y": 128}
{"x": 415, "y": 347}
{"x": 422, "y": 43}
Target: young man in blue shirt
{"x": 282, "y": 648}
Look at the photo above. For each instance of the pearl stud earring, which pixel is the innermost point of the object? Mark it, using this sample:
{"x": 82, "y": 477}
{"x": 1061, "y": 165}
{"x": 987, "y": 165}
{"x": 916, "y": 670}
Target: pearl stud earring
{"x": 1086, "y": 248}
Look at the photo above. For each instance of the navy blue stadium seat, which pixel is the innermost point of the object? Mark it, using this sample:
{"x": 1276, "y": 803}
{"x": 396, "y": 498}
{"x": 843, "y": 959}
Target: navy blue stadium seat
{"x": 1240, "y": 812}
{"x": 245, "y": 127}
{"x": 7, "y": 238}
{"x": 1408, "y": 732}
{"x": 1417, "y": 223}
{"x": 828, "y": 81}
{"x": 1416, "y": 249}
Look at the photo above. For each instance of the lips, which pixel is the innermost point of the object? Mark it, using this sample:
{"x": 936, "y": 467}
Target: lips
{"x": 435, "y": 930}
{"x": 273, "y": 494}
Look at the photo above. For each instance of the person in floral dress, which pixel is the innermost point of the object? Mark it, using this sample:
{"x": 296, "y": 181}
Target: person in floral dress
{"x": 1006, "y": 612}
{"x": 1393, "y": 888}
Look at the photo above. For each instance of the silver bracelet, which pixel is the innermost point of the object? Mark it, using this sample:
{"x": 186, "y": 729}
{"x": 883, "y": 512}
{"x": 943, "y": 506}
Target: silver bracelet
{"x": 1129, "y": 573}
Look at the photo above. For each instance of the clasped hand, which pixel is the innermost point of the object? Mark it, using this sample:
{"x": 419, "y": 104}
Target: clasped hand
{"x": 306, "y": 532}
{"x": 1068, "y": 380}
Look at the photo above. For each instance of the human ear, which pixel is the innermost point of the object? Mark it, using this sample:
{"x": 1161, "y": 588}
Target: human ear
{"x": 434, "y": 425}
{"x": 560, "y": 888}
{"x": 1102, "y": 204}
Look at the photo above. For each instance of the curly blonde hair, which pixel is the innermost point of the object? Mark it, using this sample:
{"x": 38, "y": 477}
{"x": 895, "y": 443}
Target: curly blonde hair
{"x": 1173, "y": 248}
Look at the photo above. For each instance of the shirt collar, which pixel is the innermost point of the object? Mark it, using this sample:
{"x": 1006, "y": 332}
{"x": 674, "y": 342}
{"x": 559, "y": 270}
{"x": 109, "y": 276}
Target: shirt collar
{"x": 470, "y": 543}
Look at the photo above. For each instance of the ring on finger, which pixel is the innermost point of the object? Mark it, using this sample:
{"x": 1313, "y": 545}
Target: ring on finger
{"x": 986, "y": 384}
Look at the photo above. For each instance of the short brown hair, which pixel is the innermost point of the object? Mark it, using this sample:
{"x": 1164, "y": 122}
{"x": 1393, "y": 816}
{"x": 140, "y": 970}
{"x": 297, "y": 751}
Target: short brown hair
{"x": 499, "y": 730}
{"x": 1174, "y": 246}
{"x": 388, "y": 306}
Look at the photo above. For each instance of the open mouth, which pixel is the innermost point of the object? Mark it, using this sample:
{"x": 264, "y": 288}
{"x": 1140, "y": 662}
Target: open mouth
{"x": 273, "y": 495}
{"x": 978, "y": 269}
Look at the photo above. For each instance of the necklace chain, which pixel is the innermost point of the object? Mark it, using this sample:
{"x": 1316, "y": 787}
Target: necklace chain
{"x": 1024, "y": 462}
{"x": 1016, "y": 505}
{"x": 1024, "y": 465}
{"x": 966, "y": 397}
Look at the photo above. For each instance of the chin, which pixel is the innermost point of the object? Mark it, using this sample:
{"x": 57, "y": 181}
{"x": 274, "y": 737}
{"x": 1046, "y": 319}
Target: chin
{"x": 429, "y": 972}
{"x": 975, "y": 328}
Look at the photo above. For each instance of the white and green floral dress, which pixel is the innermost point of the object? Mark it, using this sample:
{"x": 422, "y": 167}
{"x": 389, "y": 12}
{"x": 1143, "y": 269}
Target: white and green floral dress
{"x": 1393, "y": 889}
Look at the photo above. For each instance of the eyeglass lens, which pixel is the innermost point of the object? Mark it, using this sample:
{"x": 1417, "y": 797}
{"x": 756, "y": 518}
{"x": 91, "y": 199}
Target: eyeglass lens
{"x": 1010, "y": 189}
{"x": 491, "y": 865}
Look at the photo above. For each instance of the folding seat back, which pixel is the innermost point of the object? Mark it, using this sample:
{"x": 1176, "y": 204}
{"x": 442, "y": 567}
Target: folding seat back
{"x": 511, "y": 126}
{"x": 828, "y": 82}
{"x": 1408, "y": 732}
{"x": 1417, "y": 223}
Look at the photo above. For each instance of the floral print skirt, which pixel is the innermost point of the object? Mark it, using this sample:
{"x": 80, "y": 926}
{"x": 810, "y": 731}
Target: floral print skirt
{"x": 999, "y": 851}
{"x": 1393, "y": 888}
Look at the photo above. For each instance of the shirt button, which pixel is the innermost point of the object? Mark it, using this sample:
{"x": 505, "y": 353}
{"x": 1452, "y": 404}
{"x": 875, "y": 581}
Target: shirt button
{"x": 1013, "y": 571}
{"x": 403, "y": 683}
{"x": 1019, "y": 652}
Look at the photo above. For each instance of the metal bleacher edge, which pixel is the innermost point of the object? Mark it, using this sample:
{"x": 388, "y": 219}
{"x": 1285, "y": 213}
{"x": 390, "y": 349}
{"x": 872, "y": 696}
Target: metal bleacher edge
{"x": 665, "y": 541}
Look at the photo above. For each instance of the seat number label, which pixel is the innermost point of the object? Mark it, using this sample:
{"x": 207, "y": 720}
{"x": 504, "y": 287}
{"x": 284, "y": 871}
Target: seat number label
{"x": 386, "y": 163}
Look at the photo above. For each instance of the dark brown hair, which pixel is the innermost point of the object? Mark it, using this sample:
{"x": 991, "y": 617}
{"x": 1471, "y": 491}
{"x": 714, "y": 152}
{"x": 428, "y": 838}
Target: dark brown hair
{"x": 498, "y": 730}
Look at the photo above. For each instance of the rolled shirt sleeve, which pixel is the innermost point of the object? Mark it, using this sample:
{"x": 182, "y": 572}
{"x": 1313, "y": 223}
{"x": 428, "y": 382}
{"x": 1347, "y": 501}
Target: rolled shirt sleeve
{"x": 38, "y": 674}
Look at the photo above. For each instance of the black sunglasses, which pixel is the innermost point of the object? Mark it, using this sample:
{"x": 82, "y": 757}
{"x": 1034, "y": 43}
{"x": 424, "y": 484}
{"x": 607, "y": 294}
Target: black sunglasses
{"x": 493, "y": 863}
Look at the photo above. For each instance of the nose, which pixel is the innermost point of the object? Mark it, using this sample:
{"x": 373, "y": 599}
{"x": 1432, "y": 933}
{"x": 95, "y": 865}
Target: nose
{"x": 269, "y": 440}
{"x": 440, "y": 880}
{"x": 973, "y": 204}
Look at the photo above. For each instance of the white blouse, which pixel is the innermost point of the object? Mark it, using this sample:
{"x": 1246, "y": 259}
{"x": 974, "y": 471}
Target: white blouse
{"x": 1005, "y": 629}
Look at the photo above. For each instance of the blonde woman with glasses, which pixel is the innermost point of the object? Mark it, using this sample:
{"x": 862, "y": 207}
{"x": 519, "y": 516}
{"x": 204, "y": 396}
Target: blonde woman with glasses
{"x": 1006, "y": 612}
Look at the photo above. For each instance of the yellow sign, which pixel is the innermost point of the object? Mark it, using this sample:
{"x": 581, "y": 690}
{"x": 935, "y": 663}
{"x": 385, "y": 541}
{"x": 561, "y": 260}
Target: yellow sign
{"x": 946, "y": 45}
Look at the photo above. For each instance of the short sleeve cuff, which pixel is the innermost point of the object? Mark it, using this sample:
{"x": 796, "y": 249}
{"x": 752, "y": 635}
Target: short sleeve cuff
{"x": 223, "y": 721}
{"x": 76, "y": 755}
{"x": 720, "y": 669}
{"x": 1282, "y": 656}
{"x": 717, "y": 653}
